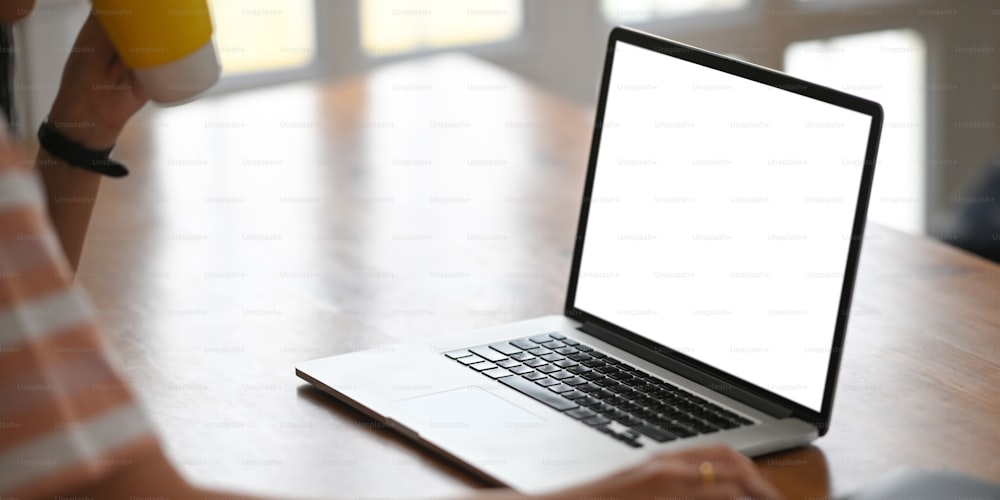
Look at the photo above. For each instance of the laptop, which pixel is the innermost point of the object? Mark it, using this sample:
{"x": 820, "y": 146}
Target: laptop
{"x": 717, "y": 246}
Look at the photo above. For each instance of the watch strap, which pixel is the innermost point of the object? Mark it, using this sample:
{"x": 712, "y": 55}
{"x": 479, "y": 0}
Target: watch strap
{"x": 77, "y": 155}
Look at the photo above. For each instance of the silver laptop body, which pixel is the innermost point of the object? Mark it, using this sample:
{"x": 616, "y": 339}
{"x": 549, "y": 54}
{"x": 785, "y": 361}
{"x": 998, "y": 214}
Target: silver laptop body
{"x": 712, "y": 277}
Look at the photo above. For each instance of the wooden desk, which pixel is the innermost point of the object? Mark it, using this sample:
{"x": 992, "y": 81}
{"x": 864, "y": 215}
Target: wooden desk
{"x": 265, "y": 228}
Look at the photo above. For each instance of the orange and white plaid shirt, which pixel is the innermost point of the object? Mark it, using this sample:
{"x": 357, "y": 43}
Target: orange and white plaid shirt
{"x": 67, "y": 418}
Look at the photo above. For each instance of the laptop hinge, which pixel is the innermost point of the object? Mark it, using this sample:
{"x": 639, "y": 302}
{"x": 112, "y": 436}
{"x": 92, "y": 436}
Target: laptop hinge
{"x": 687, "y": 371}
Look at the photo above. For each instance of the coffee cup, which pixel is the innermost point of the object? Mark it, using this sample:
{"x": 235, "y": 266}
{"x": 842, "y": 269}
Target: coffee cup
{"x": 167, "y": 43}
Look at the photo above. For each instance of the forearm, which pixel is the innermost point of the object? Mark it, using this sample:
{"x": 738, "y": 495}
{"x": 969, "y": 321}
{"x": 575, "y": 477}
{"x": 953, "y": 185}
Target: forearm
{"x": 70, "y": 196}
{"x": 96, "y": 98}
{"x": 71, "y": 191}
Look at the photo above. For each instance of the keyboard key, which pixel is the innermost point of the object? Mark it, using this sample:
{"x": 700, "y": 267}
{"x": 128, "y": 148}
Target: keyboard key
{"x": 560, "y": 388}
{"x": 546, "y": 382}
{"x": 596, "y": 421}
{"x": 616, "y": 401}
{"x": 704, "y": 427}
{"x": 522, "y": 356}
{"x": 557, "y": 336}
{"x": 566, "y": 351}
{"x": 574, "y": 394}
{"x": 539, "y": 339}
{"x": 538, "y": 393}
{"x": 552, "y": 357}
{"x": 580, "y": 369}
{"x": 521, "y": 370}
{"x": 613, "y": 386}
{"x": 565, "y": 363}
{"x": 507, "y": 363}
{"x": 658, "y": 435}
{"x": 485, "y": 365}
{"x": 580, "y": 356}
{"x": 488, "y": 353}
{"x": 497, "y": 373}
{"x": 575, "y": 381}
{"x": 458, "y": 354}
{"x": 629, "y": 421}
{"x": 523, "y": 343}
{"x": 561, "y": 374}
{"x": 533, "y": 376}
{"x": 468, "y": 360}
{"x": 675, "y": 428}
{"x": 580, "y": 413}
{"x": 570, "y": 342}
{"x": 588, "y": 387}
{"x": 548, "y": 369}
{"x": 535, "y": 363}
{"x": 615, "y": 413}
{"x": 630, "y": 435}
{"x": 539, "y": 351}
{"x": 584, "y": 348}
{"x": 505, "y": 348}
{"x": 553, "y": 344}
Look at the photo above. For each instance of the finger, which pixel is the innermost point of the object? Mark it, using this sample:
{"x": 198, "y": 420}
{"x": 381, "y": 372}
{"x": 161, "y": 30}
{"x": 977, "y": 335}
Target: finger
{"x": 709, "y": 472}
{"x": 722, "y": 491}
{"x": 715, "y": 454}
{"x": 724, "y": 465}
{"x": 750, "y": 475}
{"x": 740, "y": 469}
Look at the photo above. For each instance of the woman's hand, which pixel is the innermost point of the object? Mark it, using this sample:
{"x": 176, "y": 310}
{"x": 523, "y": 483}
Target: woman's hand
{"x": 98, "y": 93}
{"x": 705, "y": 473}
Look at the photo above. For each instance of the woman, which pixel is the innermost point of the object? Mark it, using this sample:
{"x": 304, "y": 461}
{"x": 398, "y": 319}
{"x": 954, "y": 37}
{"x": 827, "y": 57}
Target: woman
{"x": 62, "y": 431}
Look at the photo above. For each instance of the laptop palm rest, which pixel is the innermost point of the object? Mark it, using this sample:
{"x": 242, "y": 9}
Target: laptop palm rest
{"x": 467, "y": 409}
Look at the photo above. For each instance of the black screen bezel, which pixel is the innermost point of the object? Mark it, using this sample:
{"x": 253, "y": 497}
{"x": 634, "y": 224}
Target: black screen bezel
{"x": 669, "y": 48}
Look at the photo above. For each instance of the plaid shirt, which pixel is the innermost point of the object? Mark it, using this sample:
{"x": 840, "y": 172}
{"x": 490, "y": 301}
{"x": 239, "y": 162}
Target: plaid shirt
{"x": 67, "y": 418}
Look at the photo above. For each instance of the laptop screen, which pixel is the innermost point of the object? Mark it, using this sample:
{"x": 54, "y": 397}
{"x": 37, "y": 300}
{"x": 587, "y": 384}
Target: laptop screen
{"x": 720, "y": 219}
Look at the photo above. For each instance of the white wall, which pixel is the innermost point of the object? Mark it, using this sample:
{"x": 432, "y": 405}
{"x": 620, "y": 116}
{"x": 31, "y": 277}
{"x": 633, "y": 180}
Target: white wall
{"x": 43, "y": 42}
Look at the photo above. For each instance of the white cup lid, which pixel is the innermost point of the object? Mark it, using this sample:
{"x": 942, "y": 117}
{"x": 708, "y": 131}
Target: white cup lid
{"x": 183, "y": 80}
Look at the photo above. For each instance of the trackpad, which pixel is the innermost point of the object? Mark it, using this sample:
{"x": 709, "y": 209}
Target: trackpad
{"x": 470, "y": 409}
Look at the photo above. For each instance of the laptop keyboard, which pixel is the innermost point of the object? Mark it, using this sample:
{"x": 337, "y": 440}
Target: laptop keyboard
{"x": 598, "y": 390}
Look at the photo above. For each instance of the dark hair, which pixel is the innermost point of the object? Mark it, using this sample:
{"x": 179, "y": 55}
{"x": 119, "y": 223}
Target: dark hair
{"x": 7, "y": 73}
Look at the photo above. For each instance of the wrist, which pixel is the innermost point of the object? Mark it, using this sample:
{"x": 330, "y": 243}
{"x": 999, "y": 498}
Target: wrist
{"x": 68, "y": 150}
{"x": 83, "y": 128}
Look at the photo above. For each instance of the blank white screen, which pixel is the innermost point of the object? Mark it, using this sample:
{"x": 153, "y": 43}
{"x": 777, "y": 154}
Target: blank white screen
{"x": 720, "y": 219}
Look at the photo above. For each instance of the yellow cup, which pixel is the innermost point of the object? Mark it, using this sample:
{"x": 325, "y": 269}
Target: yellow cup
{"x": 167, "y": 43}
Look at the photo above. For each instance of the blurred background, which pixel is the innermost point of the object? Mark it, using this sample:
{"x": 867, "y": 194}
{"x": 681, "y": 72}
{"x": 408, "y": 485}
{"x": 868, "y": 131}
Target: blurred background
{"x": 933, "y": 65}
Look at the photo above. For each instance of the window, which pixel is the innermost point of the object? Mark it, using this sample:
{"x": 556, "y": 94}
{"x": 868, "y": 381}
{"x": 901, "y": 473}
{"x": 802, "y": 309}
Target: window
{"x": 260, "y": 36}
{"x": 644, "y": 10}
{"x": 886, "y": 67}
{"x": 391, "y": 27}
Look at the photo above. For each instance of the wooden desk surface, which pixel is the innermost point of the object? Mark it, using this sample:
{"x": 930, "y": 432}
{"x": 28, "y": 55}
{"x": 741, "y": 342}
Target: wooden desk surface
{"x": 265, "y": 228}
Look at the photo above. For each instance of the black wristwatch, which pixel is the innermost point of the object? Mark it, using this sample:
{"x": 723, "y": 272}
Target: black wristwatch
{"x": 77, "y": 155}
